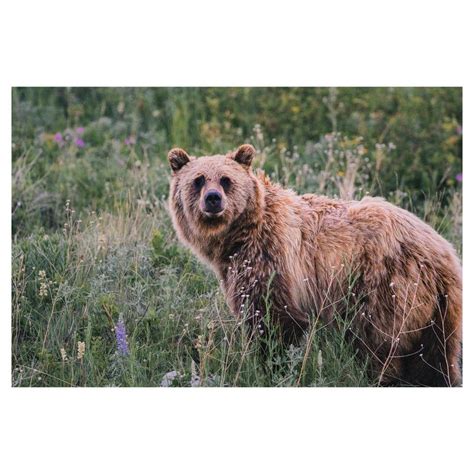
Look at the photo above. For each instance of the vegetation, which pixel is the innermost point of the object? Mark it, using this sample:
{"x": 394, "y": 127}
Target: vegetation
{"x": 102, "y": 292}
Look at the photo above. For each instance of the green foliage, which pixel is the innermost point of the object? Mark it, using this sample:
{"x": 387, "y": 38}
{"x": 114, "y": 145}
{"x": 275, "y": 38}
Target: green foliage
{"x": 93, "y": 242}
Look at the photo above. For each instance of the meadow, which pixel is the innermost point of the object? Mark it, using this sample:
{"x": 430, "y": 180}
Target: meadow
{"x": 102, "y": 292}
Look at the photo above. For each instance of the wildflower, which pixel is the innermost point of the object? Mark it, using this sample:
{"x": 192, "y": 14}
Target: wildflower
{"x": 121, "y": 337}
{"x": 79, "y": 142}
{"x": 199, "y": 342}
{"x": 131, "y": 140}
{"x": 80, "y": 130}
{"x": 58, "y": 138}
{"x": 320, "y": 360}
{"x": 44, "y": 285}
{"x": 210, "y": 325}
{"x": 63, "y": 354}
{"x": 459, "y": 177}
{"x": 81, "y": 349}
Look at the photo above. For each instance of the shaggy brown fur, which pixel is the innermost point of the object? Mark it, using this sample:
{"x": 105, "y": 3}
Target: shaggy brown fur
{"x": 397, "y": 280}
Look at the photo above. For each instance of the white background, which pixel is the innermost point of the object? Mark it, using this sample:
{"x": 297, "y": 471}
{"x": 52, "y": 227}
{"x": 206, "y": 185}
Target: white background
{"x": 336, "y": 43}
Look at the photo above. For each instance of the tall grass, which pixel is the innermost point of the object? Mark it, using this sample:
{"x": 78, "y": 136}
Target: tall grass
{"x": 72, "y": 289}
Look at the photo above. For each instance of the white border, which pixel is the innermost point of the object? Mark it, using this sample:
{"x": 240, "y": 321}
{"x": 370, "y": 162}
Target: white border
{"x": 249, "y": 43}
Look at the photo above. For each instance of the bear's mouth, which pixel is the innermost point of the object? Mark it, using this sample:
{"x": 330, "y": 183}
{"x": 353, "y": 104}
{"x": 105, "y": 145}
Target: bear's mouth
{"x": 213, "y": 215}
{"x": 213, "y": 219}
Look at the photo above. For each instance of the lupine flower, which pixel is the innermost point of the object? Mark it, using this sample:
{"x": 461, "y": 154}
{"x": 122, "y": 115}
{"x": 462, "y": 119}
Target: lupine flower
{"x": 130, "y": 140}
{"x": 58, "y": 138}
{"x": 121, "y": 337}
{"x": 79, "y": 142}
{"x": 80, "y": 130}
{"x": 459, "y": 177}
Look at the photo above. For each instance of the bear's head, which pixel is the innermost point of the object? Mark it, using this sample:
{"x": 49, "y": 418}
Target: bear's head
{"x": 211, "y": 192}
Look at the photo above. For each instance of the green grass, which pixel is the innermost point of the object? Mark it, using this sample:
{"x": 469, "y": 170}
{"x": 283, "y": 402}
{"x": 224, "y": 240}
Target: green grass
{"x": 93, "y": 241}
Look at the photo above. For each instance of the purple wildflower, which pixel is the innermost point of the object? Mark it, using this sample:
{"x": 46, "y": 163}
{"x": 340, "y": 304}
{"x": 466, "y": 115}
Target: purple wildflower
{"x": 459, "y": 177}
{"x": 58, "y": 138}
{"x": 459, "y": 130}
{"x": 121, "y": 337}
{"x": 80, "y": 130}
{"x": 130, "y": 140}
{"x": 79, "y": 142}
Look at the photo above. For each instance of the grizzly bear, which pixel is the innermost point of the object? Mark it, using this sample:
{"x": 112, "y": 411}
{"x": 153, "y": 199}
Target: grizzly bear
{"x": 307, "y": 259}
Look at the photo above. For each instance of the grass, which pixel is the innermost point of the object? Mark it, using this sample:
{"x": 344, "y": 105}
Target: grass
{"x": 74, "y": 287}
{"x": 93, "y": 243}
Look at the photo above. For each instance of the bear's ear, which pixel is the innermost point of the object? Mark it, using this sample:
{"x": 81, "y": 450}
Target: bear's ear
{"x": 178, "y": 158}
{"x": 244, "y": 155}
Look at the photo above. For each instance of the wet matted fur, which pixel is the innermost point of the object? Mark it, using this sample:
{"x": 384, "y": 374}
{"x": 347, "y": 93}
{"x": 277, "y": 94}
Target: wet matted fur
{"x": 310, "y": 257}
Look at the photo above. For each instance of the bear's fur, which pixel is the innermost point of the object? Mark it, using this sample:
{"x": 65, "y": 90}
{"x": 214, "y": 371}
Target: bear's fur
{"x": 315, "y": 257}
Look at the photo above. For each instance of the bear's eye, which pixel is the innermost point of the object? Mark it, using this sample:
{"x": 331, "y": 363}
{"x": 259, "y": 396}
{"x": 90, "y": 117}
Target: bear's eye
{"x": 199, "y": 182}
{"x": 225, "y": 183}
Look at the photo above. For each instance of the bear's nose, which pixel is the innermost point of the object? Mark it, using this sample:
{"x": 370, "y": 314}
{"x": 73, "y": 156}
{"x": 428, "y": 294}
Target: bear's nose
{"x": 213, "y": 202}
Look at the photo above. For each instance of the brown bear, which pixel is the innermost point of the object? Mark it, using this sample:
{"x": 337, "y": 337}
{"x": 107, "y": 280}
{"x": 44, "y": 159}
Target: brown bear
{"x": 309, "y": 258}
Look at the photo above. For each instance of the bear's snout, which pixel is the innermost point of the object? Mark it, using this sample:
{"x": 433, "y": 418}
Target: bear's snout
{"x": 213, "y": 202}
